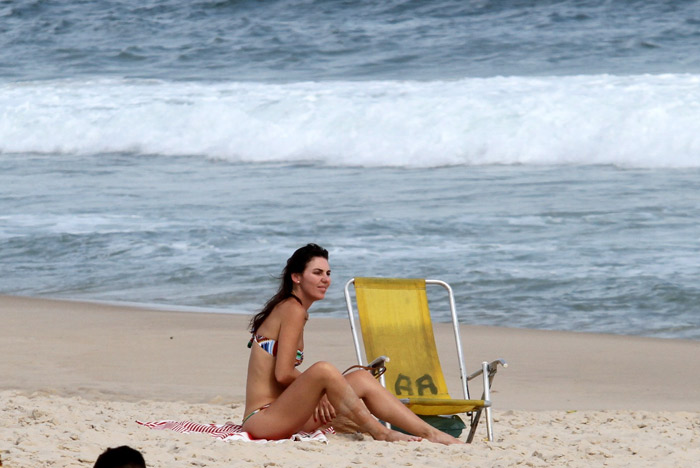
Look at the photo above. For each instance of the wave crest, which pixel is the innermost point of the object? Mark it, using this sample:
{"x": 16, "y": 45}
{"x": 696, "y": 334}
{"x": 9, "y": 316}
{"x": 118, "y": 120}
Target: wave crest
{"x": 629, "y": 121}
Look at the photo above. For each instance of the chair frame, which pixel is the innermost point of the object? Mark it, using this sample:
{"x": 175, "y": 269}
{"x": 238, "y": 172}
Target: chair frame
{"x": 487, "y": 371}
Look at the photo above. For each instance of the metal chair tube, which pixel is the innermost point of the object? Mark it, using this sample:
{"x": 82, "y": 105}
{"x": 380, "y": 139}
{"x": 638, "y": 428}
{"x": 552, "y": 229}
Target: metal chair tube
{"x": 487, "y": 397}
{"x": 458, "y": 340}
{"x": 355, "y": 339}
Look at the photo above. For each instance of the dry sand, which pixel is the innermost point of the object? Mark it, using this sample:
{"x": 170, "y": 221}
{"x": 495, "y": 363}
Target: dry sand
{"x": 75, "y": 376}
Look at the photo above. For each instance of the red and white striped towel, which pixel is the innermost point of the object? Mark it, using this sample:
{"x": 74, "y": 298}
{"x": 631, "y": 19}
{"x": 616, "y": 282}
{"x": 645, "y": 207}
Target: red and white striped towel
{"x": 230, "y": 431}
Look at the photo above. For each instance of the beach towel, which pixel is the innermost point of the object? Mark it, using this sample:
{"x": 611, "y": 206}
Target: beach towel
{"x": 230, "y": 431}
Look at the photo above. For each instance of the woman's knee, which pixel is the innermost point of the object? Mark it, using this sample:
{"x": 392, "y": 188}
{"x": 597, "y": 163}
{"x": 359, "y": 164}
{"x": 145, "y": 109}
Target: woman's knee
{"x": 324, "y": 369}
{"x": 361, "y": 379}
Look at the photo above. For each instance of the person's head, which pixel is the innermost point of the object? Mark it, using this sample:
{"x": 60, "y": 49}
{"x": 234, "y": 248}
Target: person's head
{"x": 304, "y": 268}
{"x": 120, "y": 457}
{"x": 301, "y": 266}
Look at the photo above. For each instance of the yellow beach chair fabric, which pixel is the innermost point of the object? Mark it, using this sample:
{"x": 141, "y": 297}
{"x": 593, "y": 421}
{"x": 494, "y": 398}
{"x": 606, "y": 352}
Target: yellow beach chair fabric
{"x": 395, "y": 322}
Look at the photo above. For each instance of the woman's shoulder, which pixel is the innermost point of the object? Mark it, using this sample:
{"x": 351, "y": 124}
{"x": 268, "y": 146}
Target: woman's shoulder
{"x": 291, "y": 310}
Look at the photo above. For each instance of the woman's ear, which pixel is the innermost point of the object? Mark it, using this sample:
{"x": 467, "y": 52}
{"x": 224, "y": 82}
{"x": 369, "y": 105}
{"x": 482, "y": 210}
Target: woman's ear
{"x": 296, "y": 278}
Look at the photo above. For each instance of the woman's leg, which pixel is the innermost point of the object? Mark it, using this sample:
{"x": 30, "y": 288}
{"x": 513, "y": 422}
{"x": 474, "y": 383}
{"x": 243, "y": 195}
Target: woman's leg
{"x": 296, "y": 404}
{"x": 384, "y": 405}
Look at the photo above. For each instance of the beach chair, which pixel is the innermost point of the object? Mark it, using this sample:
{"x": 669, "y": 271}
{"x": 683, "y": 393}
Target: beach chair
{"x": 398, "y": 334}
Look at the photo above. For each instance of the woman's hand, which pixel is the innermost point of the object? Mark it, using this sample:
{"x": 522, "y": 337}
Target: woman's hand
{"x": 324, "y": 412}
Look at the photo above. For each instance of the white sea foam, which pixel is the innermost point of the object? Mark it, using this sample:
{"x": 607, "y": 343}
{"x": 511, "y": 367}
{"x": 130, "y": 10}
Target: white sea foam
{"x": 629, "y": 121}
{"x": 20, "y": 224}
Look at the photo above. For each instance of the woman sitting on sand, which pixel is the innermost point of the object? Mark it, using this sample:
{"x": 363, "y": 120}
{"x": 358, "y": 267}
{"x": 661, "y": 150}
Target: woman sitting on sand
{"x": 281, "y": 400}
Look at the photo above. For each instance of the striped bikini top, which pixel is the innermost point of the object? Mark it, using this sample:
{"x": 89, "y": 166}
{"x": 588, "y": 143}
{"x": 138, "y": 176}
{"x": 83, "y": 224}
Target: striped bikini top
{"x": 270, "y": 346}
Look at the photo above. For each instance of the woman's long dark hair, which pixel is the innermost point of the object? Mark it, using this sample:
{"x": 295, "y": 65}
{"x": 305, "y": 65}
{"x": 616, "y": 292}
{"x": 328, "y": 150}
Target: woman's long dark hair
{"x": 295, "y": 264}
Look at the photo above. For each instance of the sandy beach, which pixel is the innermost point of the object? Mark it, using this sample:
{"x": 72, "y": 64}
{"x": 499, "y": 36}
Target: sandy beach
{"x": 76, "y": 376}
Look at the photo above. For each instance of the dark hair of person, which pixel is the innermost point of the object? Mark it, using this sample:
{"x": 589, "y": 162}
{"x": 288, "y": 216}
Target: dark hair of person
{"x": 295, "y": 264}
{"x": 120, "y": 457}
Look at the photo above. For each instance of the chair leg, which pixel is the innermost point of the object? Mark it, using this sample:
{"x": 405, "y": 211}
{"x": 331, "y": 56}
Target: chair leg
{"x": 488, "y": 378}
{"x": 489, "y": 424}
{"x": 475, "y": 423}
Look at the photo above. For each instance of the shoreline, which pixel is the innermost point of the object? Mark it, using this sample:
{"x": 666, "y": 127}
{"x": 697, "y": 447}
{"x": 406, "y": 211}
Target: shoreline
{"x": 131, "y": 352}
{"x": 77, "y": 375}
{"x": 160, "y": 307}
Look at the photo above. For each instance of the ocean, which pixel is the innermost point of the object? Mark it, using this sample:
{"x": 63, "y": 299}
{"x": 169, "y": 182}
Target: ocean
{"x": 543, "y": 157}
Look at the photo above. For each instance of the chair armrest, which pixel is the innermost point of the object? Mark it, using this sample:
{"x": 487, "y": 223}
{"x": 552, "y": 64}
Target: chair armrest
{"x": 379, "y": 362}
{"x": 493, "y": 367}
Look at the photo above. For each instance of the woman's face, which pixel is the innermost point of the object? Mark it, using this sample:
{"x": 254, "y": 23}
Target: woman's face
{"x": 315, "y": 279}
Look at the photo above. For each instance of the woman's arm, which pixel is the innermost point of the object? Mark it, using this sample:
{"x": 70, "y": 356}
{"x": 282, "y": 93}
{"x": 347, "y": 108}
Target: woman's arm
{"x": 291, "y": 329}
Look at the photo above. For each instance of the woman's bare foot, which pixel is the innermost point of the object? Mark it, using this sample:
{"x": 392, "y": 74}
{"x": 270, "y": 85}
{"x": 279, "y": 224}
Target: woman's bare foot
{"x": 396, "y": 436}
{"x": 440, "y": 437}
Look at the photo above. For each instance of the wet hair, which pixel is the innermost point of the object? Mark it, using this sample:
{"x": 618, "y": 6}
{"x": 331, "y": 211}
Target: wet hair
{"x": 120, "y": 457}
{"x": 295, "y": 264}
